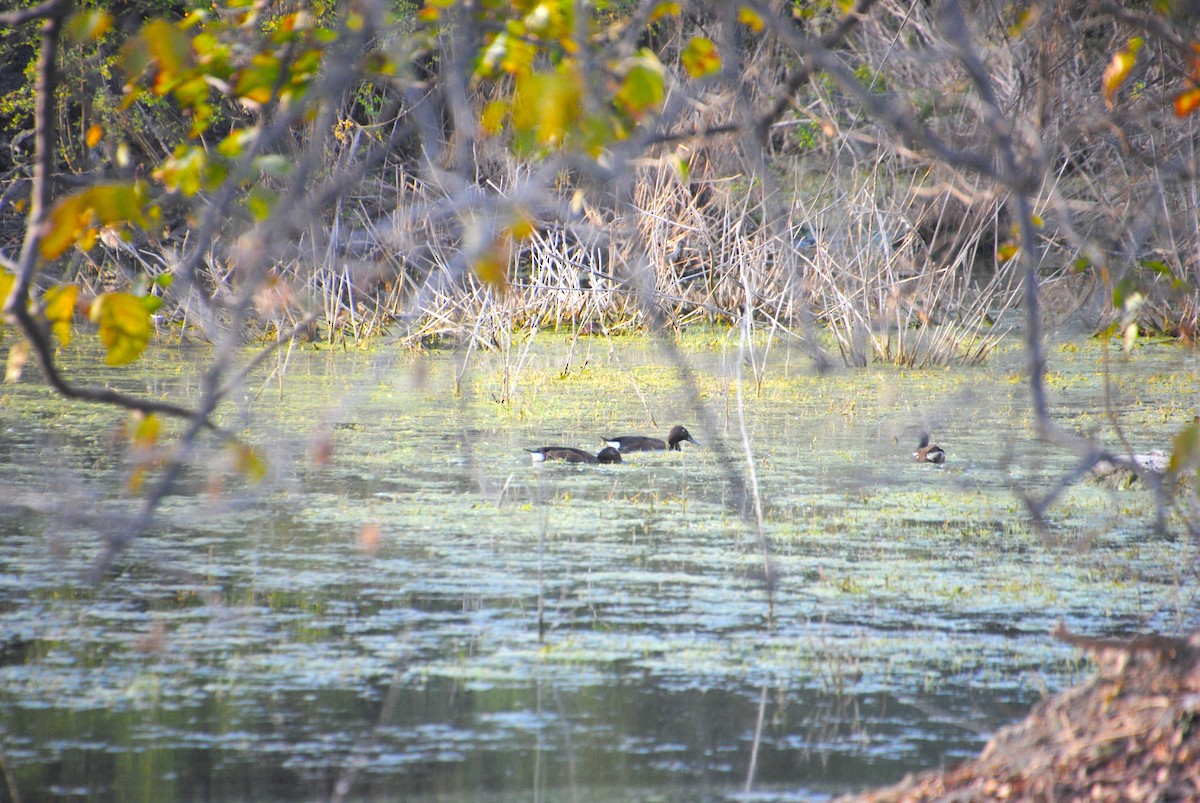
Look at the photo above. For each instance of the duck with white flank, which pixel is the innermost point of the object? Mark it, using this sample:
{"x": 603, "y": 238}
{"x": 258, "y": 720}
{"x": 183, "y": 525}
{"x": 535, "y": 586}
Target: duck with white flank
{"x": 927, "y": 453}
{"x": 572, "y": 455}
{"x": 641, "y": 443}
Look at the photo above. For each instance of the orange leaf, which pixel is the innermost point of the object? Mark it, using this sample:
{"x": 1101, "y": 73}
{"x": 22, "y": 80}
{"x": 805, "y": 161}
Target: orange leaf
{"x": 1187, "y": 102}
{"x": 94, "y": 133}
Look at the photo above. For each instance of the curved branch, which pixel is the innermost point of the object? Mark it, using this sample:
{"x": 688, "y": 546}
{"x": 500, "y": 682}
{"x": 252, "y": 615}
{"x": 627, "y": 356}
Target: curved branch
{"x": 17, "y": 305}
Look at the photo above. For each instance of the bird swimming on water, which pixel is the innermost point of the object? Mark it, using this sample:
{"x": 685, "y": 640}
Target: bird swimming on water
{"x": 573, "y": 455}
{"x": 927, "y": 453}
{"x": 641, "y": 443}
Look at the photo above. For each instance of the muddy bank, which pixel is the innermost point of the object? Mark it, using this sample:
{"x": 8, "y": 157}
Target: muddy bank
{"x": 1127, "y": 734}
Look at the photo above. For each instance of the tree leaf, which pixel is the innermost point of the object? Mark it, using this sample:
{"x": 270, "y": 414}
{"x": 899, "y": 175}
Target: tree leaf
{"x": 750, "y": 18}
{"x": 7, "y": 280}
{"x": 700, "y": 57}
{"x": 170, "y": 50}
{"x": 76, "y": 218}
{"x": 1186, "y": 449}
{"x": 1118, "y": 70}
{"x": 125, "y": 326}
{"x": 491, "y": 268}
{"x": 1187, "y": 102}
{"x": 664, "y": 10}
{"x": 88, "y": 26}
{"x": 18, "y": 355}
{"x": 256, "y": 82}
{"x": 59, "y": 303}
{"x": 643, "y": 87}
{"x": 249, "y": 462}
{"x": 145, "y": 429}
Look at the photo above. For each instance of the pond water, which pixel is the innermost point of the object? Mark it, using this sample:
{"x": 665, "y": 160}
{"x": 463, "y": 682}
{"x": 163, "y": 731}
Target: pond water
{"x": 427, "y": 615}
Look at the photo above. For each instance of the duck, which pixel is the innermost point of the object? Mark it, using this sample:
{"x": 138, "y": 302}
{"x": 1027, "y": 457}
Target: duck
{"x": 927, "y": 453}
{"x": 641, "y": 443}
{"x": 572, "y": 455}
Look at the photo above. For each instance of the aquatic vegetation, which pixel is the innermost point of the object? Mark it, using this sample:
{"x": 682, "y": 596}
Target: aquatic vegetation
{"x": 500, "y": 612}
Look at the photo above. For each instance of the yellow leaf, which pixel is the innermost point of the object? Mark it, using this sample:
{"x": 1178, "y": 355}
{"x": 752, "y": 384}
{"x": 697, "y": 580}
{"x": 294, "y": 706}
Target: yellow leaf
{"x": 492, "y": 119}
{"x": 700, "y": 57}
{"x": 1118, "y": 70}
{"x": 249, "y": 463}
{"x": 125, "y": 326}
{"x": 94, "y": 134}
{"x": 145, "y": 429}
{"x": 547, "y": 104}
{"x": 750, "y": 18}
{"x": 1007, "y": 251}
{"x": 75, "y": 219}
{"x": 664, "y": 10}
{"x": 65, "y": 224}
{"x": 491, "y": 268}
{"x": 522, "y": 225}
{"x": 137, "y": 479}
{"x": 170, "y": 50}
{"x": 59, "y": 302}
{"x": 7, "y": 280}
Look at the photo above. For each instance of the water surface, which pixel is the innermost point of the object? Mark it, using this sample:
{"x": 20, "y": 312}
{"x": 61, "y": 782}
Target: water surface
{"x": 428, "y": 615}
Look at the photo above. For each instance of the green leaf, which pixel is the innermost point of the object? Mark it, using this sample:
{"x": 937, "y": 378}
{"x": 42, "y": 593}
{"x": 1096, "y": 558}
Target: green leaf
{"x": 273, "y": 164}
{"x": 1123, "y": 291}
{"x": 643, "y": 87}
{"x": 260, "y": 201}
{"x": 185, "y": 171}
{"x": 238, "y": 140}
{"x": 257, "y": 81}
